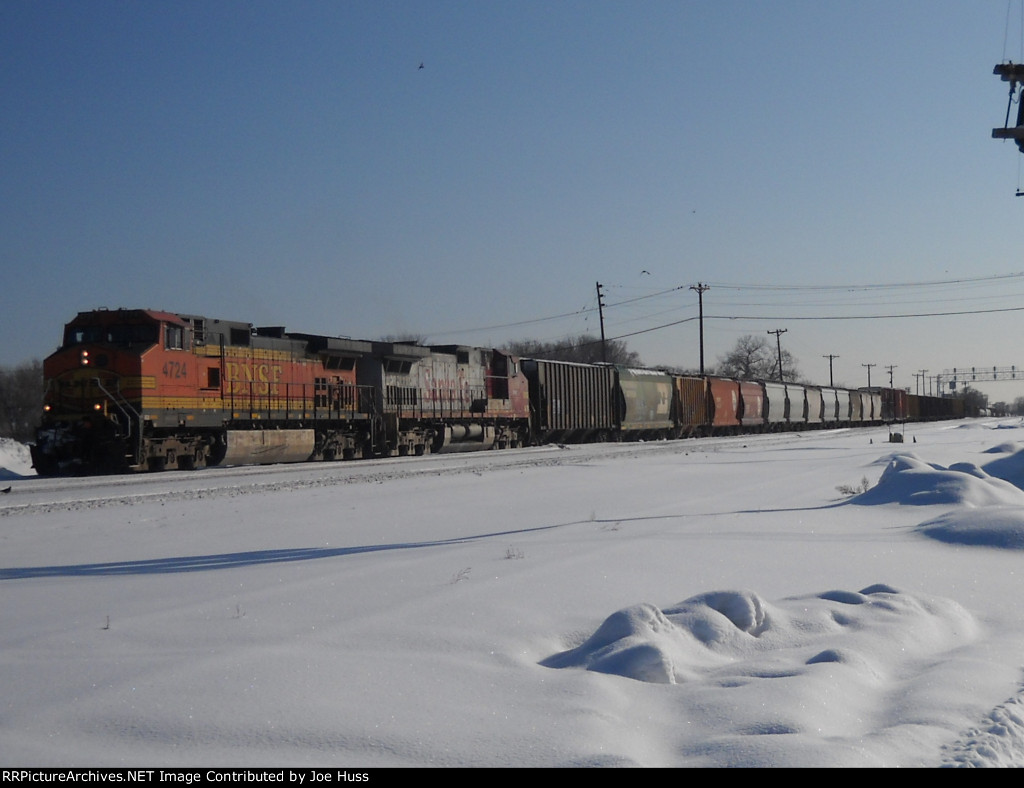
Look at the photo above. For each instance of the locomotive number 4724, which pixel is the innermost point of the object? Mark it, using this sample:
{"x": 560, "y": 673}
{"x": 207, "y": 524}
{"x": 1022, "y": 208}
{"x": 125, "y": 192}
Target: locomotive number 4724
{"x": 176, "y": 370}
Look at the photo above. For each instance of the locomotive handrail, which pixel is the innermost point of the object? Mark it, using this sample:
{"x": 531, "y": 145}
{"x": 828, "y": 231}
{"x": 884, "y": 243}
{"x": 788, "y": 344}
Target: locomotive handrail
{"x": 126, "y": 408}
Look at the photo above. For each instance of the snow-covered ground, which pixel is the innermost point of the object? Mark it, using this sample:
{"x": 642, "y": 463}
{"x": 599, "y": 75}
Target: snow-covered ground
{"x": 824, "y": 599}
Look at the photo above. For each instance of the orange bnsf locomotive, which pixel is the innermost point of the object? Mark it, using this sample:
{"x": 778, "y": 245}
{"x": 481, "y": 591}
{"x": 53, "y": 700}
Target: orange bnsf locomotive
{"x": 135, "y": 389}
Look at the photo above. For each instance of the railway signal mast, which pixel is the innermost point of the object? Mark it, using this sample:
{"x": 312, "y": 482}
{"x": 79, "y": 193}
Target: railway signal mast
{"x": 1014, "y": 74}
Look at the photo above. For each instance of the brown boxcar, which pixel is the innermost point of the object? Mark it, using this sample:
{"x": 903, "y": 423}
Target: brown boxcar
{"x": 692, "y": 406}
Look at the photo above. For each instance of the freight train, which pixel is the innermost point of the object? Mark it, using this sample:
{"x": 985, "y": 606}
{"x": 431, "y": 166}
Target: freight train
{"x": 138, "y": 389}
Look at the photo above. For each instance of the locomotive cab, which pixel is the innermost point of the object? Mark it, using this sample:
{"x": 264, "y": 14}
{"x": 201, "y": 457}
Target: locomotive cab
{"x": 92, "y": 403}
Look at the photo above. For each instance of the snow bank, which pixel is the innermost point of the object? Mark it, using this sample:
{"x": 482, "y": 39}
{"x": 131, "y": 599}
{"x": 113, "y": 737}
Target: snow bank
{"x": 732, "y": 635}
{"x": 15, "y": 461}
{"x": 990, "y": 498}
{"x": 910, "y": 481}
{"x": 1009, "y": 466}
{"x": 854, "y": 668}
{"x": 993, "y": 527}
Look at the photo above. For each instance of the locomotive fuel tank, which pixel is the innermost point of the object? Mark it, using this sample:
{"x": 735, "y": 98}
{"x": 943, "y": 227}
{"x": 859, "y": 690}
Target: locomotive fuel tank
{"x": 261, "y": 447}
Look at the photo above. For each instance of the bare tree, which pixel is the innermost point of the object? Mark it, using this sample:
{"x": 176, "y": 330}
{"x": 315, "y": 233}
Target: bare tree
{"x": 583, "y": 349}
{"x": 754, "y": 358}
{"x": 21, "y": 397}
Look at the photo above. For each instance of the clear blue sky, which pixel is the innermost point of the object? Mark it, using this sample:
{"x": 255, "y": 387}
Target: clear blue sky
{"x": 291, "y": 164}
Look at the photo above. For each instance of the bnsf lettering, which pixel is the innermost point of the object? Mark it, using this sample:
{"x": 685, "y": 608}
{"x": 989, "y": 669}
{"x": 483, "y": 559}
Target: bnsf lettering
{"x": 256, "y": 378}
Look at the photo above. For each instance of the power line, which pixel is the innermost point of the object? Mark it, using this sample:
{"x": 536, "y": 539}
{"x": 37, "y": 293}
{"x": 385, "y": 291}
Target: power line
{"x": 892, "y": 285}
{"x": 782, "y": 289}
{"x": 865, "y": 317}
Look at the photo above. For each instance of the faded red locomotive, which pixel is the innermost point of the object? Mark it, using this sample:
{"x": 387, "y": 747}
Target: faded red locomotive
{"x": 135, "y": 389}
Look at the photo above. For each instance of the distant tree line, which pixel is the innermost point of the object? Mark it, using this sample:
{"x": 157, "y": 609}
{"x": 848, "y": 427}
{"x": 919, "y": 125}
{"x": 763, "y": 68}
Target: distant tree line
{"x": 583, "y": 349}
{"x": 21, "y": 397}
{"x": 752, "y": 357}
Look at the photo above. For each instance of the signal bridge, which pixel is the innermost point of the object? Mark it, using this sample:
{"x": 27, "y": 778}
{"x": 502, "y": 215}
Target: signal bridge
{"x": 967, "y": 375}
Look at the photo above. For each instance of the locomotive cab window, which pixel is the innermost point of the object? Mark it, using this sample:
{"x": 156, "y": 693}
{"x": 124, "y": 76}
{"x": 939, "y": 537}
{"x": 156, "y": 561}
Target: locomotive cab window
{"x": 127, "y": 336}
{"x": 174, "y": 338}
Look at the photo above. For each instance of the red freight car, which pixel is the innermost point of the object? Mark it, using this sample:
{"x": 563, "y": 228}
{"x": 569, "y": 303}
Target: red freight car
{"x": 724, "y": 396}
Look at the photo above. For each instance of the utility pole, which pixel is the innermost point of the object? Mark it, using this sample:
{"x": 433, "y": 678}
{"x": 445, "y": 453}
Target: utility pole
{"x": 701, "y": 288}
{"x": 869, "y": 366}
{"x": 921, "y": 379}
{"x": 830, "y": 358}
{"x": 891, "y": 367}
{"x": 600, "y": 314}
{"x": 778, "y": 343}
